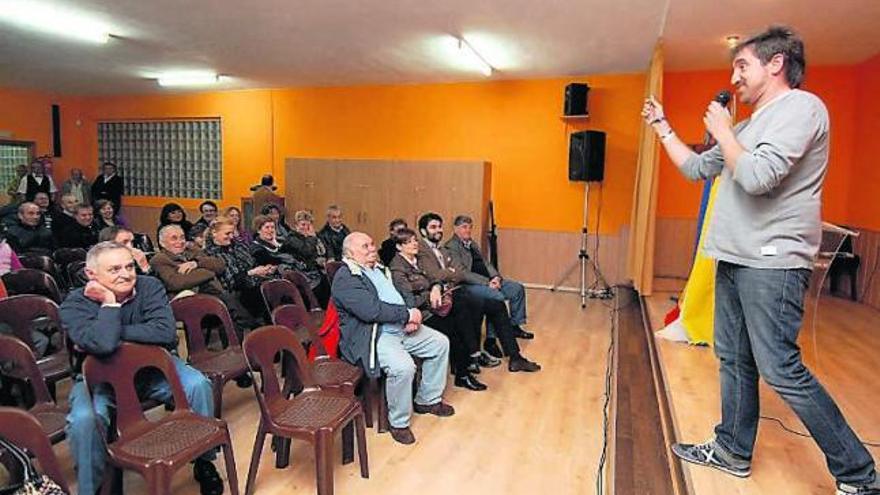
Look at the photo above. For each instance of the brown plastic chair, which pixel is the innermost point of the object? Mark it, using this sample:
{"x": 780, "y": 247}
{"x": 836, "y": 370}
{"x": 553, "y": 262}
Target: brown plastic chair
{"x": 76, "y": 274}
{"x": 331, "y": 267}
{"x": 302, "y": 284}
{"x": 24, "y": 430}
{"x": 65, "y": 256}
{"x": 50, "y": 415}
{"x": 32, "y": 281}
{"x": 219, "y": 366}
{"x": 314, "y": 415}
{"x": 282, "y": 291}
{"x": 20, "y": 313}
{"x": 155, "y": 449}
{"x": 40, "y": 262}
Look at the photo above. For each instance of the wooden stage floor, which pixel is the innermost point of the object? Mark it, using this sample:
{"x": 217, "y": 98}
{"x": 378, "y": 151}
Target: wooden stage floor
{"x": 847, "y": 337}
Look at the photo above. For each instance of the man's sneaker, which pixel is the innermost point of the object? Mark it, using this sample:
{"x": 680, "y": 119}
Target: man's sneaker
{"x": 474, "y": 367}
{"x": 487, "y": 360}
{"x": 710, "y": 454}
{"x": 491, "y": 346}
{"x": 872, "y": 488}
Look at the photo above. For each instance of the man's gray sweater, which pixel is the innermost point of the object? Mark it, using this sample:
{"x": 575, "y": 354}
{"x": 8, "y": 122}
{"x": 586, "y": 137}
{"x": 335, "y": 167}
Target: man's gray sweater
{"x": 767, "y": 213}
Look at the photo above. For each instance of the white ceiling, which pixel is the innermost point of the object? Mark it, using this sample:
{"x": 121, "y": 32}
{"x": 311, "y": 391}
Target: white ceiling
{"x": 278, "y": 43}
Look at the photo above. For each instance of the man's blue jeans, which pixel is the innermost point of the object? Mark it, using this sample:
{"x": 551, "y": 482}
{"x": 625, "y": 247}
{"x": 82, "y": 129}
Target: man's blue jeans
{"x": 511, "y": 291}
{"x": 86, "y": 443}
{"x": 758, "y": 315}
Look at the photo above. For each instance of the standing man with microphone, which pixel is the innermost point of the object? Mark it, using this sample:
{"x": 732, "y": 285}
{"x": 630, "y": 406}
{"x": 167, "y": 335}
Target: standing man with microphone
{"x": 764, "y": 233}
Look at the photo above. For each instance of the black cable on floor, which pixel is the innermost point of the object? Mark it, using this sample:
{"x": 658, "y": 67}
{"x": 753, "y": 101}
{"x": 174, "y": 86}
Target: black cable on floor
{"x": 807, "y": 435}
{"x": 609, "y": 368}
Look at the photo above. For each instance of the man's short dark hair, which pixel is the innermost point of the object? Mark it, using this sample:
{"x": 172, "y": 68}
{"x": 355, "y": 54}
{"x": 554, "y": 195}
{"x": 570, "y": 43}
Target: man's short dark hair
{"x": 425, "y": 219}
{"x": 207, "y": 203}
{"x": 267, "y": 180}
{"x": 778, "y": 40}
{"x": 197, "y": 230}
{"x": 462, "y": 219}
{"x": 110, "y": 233}
{"x": 396, "y": 222}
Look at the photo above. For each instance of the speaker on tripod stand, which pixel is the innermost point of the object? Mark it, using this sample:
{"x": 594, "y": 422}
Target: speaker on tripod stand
{"x": 586, "y": 163}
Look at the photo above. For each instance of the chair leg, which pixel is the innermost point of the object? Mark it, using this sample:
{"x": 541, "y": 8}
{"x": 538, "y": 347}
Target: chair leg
{"x": 366, "y": 398}
{"x": 348, "y": 443}
{"x": 324, "y": 462}
{"x": 218, "y": 396}
{"x": 362, "y": 445}
{"x": 255, "y": 459}
{"x": 229, "y": 459}
{"x": 382, "y": 407}
{"x": 853, "y": 285}
{"x": 158, "y": 481}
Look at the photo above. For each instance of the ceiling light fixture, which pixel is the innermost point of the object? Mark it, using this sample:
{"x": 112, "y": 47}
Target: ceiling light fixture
{"x": 470, "y": 56}
{"x": 732, "y": 40}
{"x": 189, "y": 79}
{"x": 53, "y": 20}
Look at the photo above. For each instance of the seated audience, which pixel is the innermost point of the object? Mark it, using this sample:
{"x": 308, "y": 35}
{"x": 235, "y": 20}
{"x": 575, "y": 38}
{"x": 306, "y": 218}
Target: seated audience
{"x": 378, "y": 332}
{"x": 457, "y": 322}
{"x": 78, "y": 186}
{"x": 65, "y": 215}
{"x": 9, "y": 261}
{"x": 208, "y": 209}
{"x": 109, "y": 185}
{"x": 389, "y": 246}
{"x": 83, "y": 232}
{"x": 198, "y": 233}
{"x": 118, "y": 306}
{"x": 28, "y": 232}
{"x": 12, "y": 186}
{"x": 239, "y": 233}
{"x": 242, "y": 275}
{"x": 483, "y": 279}
{"x": 440, "y": 266}
{"x": 41, "y": 199}
{"x": 105, "y": 215}
{"x": 282, "y": 230}
{"x": 121, "y": 235}
{"x": 333, "y": 233}
{"x": 173, "y": 214}
{"x": 268, "y": 250}
{"x": 36, "y": 181}
{"x": 181, "y": 268}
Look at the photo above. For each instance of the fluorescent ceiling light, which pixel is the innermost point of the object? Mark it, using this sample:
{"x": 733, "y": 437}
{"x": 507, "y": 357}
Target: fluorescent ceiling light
{"x": 54, "y": 20}
{"x": 189, "y": 79}
{"x": 471, "y": 58}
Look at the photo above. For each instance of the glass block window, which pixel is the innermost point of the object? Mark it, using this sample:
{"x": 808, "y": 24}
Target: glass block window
{"x": 169, "y": 158}
{"x": 13, "y": 154}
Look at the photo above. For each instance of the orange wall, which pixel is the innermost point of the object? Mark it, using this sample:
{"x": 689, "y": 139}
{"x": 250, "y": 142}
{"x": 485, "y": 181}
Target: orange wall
{"x": 515, "y": 125}
{"x": 864, "y": 207}
{"x": 686, "y": 95}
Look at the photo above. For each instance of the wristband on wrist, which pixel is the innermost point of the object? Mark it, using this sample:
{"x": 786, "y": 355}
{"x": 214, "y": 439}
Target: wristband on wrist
{"x": 667, "y": 135}
{"x": 658, "y": 120}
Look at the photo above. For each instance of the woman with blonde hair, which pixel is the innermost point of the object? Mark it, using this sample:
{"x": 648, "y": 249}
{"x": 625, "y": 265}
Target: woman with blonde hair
{"x": 239, "y": 233}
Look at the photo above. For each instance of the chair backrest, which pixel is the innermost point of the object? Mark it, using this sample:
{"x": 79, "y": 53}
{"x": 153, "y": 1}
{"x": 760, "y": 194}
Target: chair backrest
{"x": 302, "y": 284}
{"x": 24, "y": 431}
{"x": 76, "y": 274}
{"x": 119, "y": 370}
{"x": 16, "y": 352}
{"x": 38, "y": 262}
{"x": 32, "y": 281}
{"x": 23, "y": 313}
{"x": 260, "y": 348}
{"x": 293, "y": 316}
{"x": 65, "y": 256}
{"x": 192, "y": 312}
{"x": 280, "y": 291}
{"x": 143, "y": 242}
{"x": 331, "y": 267}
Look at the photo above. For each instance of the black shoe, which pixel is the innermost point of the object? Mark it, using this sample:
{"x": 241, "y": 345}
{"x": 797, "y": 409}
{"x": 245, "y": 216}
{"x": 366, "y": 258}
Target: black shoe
{"x": 402, "y": 435}
{"x": 520, "y": 363}
{"x": 474, "y": 367}
{"x": 491, "y": 346}
{"x": 519, "y": 333}
{"x": 244, "y": 381}
{"x": 469, "y": 382}
{"x": 209, "y": 479}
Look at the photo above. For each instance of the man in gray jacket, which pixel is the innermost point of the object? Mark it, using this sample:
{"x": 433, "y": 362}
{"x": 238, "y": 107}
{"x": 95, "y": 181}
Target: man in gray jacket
{"x": 380, "y": 333}
{"x": 764, "y": 233}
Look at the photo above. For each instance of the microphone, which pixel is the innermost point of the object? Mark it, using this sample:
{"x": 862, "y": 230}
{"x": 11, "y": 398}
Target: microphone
{"x": 723, "y": 98}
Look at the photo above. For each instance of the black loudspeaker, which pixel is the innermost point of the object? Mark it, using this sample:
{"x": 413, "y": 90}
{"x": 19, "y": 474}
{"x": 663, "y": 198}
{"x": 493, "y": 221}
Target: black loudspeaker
{"x": 576, "y": 99}
{"x": 56, "y": 130}
{"x": 586, "y": 156}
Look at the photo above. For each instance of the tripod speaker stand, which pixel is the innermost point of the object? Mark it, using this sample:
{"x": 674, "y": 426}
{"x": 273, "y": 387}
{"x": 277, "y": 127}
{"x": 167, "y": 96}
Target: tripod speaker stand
{"x": 599, "y": 289}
